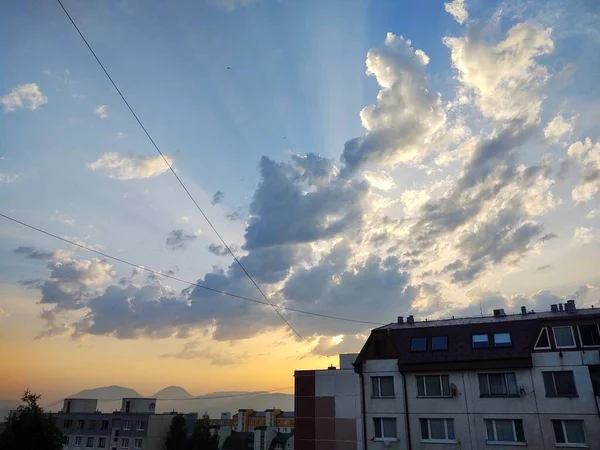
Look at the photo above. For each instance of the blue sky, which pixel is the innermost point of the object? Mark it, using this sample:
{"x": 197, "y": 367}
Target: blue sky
{"x": 472, "y": 179}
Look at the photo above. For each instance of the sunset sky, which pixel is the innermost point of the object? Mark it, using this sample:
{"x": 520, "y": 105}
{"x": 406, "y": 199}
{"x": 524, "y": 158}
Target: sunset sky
{"x": 363, "y": 159}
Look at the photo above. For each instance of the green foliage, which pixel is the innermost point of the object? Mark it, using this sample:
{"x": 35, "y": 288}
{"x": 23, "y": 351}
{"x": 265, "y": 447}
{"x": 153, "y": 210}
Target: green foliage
{"x": 177, "y": 435}
{"x": 203, "y": 438}
{"x": 30, "y": 428}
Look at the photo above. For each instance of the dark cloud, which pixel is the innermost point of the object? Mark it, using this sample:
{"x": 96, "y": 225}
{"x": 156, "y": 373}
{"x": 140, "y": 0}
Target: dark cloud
{"x": 33, "y": 253}
{"x": 236, "y": 215}
{"x": 548, "y": 237}
{"x": 220, "y": 250}
{"x": 179, "y": 240}
{"x": 544, "y": 267}
{"x": 217, "y": 197}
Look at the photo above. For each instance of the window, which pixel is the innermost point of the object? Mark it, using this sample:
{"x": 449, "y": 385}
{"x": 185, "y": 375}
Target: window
{"x": 81, "y": 424}
{"x": 563, "y": 337}
{"x": 137, "y": 443}
{"x": 127, "y": 425}
{"x": 418, "y": 344}
{"x": 78, "y": 440}
{"x": 437, "y": 430}
{"x": 89, "y": 442}
{"x": 543, "y": 342}
{"x": 595, "y": 377}
{"x": 139, "y": 425}
{"x": 559, "y": 384}
{"x": 502, "y": 340}
{"x": 569, "y": 432}
{"x": 92, "y": 425}
{"x": 101, "y": 442}
{"x": 382, "y": 387}
{"x": 439, "y": 343}
{"x": 385, "y": 428}
{"x": 497, "y": 384}
{"x": 481, "y": 341}
{"x": 433, "y": 386}
{"x": 104, "y": 425}
{"x": 589, "y": 335}
{"x": 68, "y": 423}
{"x": 65, "y": 440}
{"x": 504, "y": 430}
{"x": 125, "y": 443}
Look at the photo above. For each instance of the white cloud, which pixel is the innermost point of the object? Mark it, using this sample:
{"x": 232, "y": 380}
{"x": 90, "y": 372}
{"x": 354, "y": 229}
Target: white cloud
{"x": 63, "y": 218}
{"x": 593, "y": 214}
{"x": 584, "y": 235}
{"x": 5, "y": 178}
{"x": 183, "y": 219}
{"x": 504, "y": 78}
{"x": 121, "y": 167}
{"x": 24, "y": 96}
{"x": 559, "y": 129}
{"x": 587, "y": 155}
{"x": 457, "y": 9}
{"x": 102, "y": 111}
{"x": 380, "y": 180}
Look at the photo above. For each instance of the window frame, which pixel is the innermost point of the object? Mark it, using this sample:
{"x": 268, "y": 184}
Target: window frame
{"x": 100, "y": 442}
{"x": 378, "y": 394}
{"x": 140, "y": 425}
{"x": 87, "y": 441}
{"x": 549, "y": 347}
{"x": 439, "y": 376}
{"x": 572, "y": 337}
{"x": 80, "y": 424}
{"x": 104, "y": 421}
{"x": 447, "y": 440}
{"x": 510, "y": 343}
{"x": 68, "y": 423}
{"x": 564, "y": 430}
{"x": 514, "y": 430}
{"x": 445, "y": 336}
{"x": 506, "y": 384}
{"x": 383, "y": 438}
{"x": 80, "y": 439}
{"x": 580, "y": 338}
{"x": 127, "y": 425}
{"x": 123, "y": 442}
{"x": 65, "y": 439}
{"x": 135, "y": 441}
{"x": 556, "y": 394}
{"x": 412, "y": 340}
{"x": 487, "y": 335}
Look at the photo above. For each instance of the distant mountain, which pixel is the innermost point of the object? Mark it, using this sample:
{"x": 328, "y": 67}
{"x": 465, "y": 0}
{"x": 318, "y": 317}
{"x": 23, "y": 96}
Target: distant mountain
{"x": 107, "y": 393}
{"x": 176, "y": 392}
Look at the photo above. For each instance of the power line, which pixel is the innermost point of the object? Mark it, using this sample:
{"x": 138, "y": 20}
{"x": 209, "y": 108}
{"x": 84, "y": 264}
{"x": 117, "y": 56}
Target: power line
{"x": 216, "y": 397}
{"x": 191, "y": 283}
{"x": 175, "y": 173}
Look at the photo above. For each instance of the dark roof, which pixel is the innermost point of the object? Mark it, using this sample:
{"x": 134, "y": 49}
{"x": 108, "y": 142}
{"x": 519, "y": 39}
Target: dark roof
{"x": 280, "y": 438}
{"x": 238, "y": 441}
{"x": 287, "y": 414}
{"x": 259, "y": 414}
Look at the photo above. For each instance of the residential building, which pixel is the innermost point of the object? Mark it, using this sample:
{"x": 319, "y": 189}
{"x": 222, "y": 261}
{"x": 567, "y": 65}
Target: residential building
{"x": 501, "y": 381}
{"x": 249, "y": 420}
{"x": 135, "y": 426}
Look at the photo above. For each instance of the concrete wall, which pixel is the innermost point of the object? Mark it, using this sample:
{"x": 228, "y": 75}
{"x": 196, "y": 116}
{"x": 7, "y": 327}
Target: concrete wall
{"x": 139, "y": 405}
{"x": 81, "y": 405}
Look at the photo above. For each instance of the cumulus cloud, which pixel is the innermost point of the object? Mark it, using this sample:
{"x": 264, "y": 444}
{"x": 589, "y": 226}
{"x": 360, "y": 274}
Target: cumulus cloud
{"x": 586, "y": 155}
{"x": 217, "y": 198}
{"x": 457, "y": 9}
{"x": 403, "y": 124}
{"x": 220, "y": 250}
{"x": 62, "y": 218}
{"x": 336, "y": 345}
{"x": 593, "y": 214}
{"x": 559, "y": 129}
{"x": 115, "y": 165}
{"x": 504, "y": 79}
{"x": 180, "y": 240}
{"x": 102, "y": 111}
{"x": 380, "y": 180}
{"x": 31, "y": 252}
{"x": 25, "y": 96}
{"x": 584, "y": 235}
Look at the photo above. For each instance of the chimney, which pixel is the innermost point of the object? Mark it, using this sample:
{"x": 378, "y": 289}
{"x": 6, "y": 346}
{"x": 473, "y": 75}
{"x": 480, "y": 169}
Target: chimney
{"x": 523, "y": 310}
{"x": 410, "y": 320}
{"x": 400, "y": 319}
{"x": 560, "y": 307}
{"x": 499, "y": 313}
{"x": 570, "y": 306}
{"x": 554, "y": 308}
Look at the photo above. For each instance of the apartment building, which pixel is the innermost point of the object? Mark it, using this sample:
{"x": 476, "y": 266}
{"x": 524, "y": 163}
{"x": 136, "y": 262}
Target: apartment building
{"x": 501, "y": 381}
{"x": 247, "y": 420}
{"x": 135, "y": 426}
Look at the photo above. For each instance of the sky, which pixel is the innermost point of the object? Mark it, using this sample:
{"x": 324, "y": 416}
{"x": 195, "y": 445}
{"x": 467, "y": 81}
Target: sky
{"x": 363, "y": 160}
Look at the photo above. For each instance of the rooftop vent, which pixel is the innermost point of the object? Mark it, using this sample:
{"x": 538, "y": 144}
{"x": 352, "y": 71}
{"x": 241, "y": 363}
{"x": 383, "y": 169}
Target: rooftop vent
{"x": 332, "y": 367}
{"x": 570, "y": 306}
{"x": 499, "y": 313}
{"x": 554, "y": 308}
{"x": 400, "y": 319}
{"x": 410, "y": 320}
{"x": 560, "y": 307}
{"x": 523, "y": 310}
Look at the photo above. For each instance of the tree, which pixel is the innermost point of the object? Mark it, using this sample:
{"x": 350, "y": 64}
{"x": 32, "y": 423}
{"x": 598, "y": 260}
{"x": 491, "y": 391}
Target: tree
{"x": 177, "y": 435}
{"x": 30, "y": 428}
{"x": 203, "y": 438}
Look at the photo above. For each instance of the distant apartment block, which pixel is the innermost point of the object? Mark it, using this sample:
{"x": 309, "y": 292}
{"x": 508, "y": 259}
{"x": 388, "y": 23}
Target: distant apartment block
{"x": 135, "y": 426}
{"x": 248, "y": 420}
{"x": 501, "y": 382}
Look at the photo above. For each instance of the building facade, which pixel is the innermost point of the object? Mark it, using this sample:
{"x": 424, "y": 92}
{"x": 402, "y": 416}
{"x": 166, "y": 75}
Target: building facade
{"x": 247, "y": 420}
{"x": 505, "y": 381}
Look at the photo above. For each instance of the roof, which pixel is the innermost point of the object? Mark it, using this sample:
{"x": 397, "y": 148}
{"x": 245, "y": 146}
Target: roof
{"x": 286, "y": 414}
{"x": 280, "y": 438}
{"x": 259, "y": 414}
{"x": 238, "y": 440}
